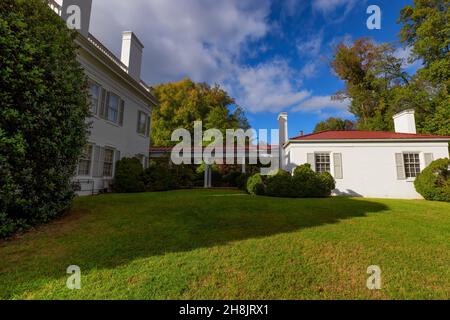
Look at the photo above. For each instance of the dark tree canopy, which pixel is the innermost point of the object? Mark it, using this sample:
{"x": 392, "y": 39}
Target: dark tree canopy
{"x": 181, "y": 103}
{"x": 334, "y": 124}
{"x": 43, "y": 109}
{"x": 377, "y": 85}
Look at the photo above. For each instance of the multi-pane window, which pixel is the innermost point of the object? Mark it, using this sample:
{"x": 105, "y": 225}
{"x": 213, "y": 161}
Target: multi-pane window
{"x": 412, "y": 164}
{"x": 142, "y": 123}
{"x": 322, "y": 161}
{"x": 113, "y": 107}
{"x": 94, "y": 92}
{"x": 84, "y": 165}
{"x": 108, "y": 163}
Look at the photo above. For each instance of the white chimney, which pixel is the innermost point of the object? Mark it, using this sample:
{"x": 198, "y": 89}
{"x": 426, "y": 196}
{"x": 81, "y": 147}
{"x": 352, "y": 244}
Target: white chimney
{"x": 405, "y": 122}
{"x": 132, "y": 54}
{"x": 283, "y": 128}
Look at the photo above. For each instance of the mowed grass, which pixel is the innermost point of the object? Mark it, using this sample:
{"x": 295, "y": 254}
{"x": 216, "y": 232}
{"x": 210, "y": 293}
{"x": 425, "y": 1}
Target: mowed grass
{"x": 226, "y": 245}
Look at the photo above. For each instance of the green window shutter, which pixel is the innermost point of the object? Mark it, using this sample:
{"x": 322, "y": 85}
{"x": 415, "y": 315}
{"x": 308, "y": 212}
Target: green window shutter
{"x": 429, "y": 158}
{"x": 102, "y": 111}
{"x": 312, "y": 160}
{"x": 337, "y": 159}
{"x": 121, "y": 112}
{"x": 401, "y": 175}
{"x": 148, "y": 127}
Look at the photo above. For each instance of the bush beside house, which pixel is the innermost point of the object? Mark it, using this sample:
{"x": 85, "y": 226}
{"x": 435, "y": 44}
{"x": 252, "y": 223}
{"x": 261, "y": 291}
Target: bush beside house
{"x": 302, "y": 184}
{"x": 42, "y": 114}
{"x": 128, "y": 177}
{"x": 433, "y": 183}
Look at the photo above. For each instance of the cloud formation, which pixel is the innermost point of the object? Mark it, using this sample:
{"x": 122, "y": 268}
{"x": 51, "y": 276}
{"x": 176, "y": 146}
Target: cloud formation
{"x": 208, "y": 40}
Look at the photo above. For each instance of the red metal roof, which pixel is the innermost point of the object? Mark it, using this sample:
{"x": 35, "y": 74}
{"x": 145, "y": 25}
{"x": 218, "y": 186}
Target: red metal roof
{"x": 361, "y": 135}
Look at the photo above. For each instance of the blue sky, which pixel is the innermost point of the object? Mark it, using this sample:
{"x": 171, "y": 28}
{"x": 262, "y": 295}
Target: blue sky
{"x": 271, "y": 56}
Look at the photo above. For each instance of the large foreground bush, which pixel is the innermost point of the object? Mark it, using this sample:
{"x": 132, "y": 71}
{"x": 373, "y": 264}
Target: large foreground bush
{"x": 433, "y": 183}
{"x": 302, "y": 184}
{"x": 43, "y": 106}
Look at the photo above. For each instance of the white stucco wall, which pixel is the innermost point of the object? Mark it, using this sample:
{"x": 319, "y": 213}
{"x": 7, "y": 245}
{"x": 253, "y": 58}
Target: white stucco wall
{"x": 369, "y": 169}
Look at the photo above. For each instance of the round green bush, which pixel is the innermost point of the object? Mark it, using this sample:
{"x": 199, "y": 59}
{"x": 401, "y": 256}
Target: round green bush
{"x": 280, "y": 185}
{"x": 44, "y": 104}
{"x": 326, "y": 184}
{"x": 128, "y": 177}
{"x": 433, "y": 183}
{"x": 304, "y": 181}
{"x": 255, "y": 185}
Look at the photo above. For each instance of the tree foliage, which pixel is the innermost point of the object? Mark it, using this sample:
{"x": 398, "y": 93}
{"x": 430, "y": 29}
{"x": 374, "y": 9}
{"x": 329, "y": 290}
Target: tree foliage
{"x": 181, "y": 103}
{"x": 334, "y": 124}
{"x": 43, "y": 109}
{"x": 377, "y": 84}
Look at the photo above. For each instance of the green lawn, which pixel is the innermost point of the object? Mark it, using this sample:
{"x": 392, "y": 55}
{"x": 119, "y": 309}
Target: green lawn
{"x": 225, "y": 245}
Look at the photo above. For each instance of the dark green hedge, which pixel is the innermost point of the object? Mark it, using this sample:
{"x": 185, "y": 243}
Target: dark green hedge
{"x": 43, "y": 109}
{"x": 128, "y": 176}
{"x": 433, "y": 183}
{"x": 302, "y": 184}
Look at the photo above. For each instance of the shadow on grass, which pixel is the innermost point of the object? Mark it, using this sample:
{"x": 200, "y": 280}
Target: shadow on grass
{"x": 117, "y": 229}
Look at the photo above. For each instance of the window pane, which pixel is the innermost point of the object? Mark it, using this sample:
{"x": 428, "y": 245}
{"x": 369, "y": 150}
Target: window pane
{"x": 113, "y": 107}
{"x": 94, "y": 92}
{"x": 412, "y": 164}
{"x": 322, "y": 162}
{"x": 108, "y": 163}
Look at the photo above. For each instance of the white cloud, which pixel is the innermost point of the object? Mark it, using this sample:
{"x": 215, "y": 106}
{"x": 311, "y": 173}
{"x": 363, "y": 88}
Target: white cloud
{"x": 267, "y": 87}
{"x": 312, "y": 46}
{"x": 318, "y": 103}
{"x": 327, "y": 6}
{"x": 405, "y": 54}
{"x": 205, "y": 41}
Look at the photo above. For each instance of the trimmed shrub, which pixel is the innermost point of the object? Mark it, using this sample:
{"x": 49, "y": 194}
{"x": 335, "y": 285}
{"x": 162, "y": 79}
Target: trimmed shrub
{"x": 433, "y": 183}
{"x": 326, "y": 184}
{"x": 255, "y": 185}
{"x": 44, "y": 104}
{"x": 280, "y": 185}
{"x": 158, "y": 177}
{"x": 128, "y": 177}
{"x": 304, "y": 181}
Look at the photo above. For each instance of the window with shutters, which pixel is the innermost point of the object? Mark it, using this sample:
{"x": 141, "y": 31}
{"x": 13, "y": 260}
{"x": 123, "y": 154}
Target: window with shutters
{"x": 112, "y": 106}
{"x": 412, "y": 164}
{"x": 142, "y": 123}
{"x": 322, "y": 162}
{"x": 108, "y": 162}
{"x": 94, "y": 93}
{"x": 85, "y": 163}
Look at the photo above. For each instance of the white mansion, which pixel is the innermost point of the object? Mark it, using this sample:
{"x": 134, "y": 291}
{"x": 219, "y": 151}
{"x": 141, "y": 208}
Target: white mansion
{"x": 121, "y": 103}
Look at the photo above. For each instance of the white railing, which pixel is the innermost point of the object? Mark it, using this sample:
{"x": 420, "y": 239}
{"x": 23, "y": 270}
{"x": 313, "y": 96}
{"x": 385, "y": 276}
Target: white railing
{"x": 55, "y": 6}
{"x": 106, "y": 51}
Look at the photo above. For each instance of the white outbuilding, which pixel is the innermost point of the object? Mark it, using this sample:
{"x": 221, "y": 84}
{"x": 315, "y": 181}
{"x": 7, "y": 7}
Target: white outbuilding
{"x": 366, "y": 163}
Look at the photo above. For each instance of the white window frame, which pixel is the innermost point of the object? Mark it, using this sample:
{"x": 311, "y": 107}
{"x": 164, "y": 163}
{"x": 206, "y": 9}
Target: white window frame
{"x": 107, "y": 164}
{"x": 111, "y": 109}
{"x": 94, "y": 102}
{"x": 407, "y": 165}
{"x": 86, "y": 156}
{"x": 142, "y": 127}
{"x": 317, "y": 164}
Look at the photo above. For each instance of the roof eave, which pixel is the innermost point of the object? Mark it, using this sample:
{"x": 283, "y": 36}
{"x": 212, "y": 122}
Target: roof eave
{"x": 368, "y": 140}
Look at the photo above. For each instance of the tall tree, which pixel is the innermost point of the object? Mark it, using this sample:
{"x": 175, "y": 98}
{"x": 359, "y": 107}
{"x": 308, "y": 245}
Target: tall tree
{"x": 334, "y": 124}
{"x": 181, "y": 103}
{"x": 43, "y": 107}
{"x": 371, "y": 72}
{"x": 426, "y": 28}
